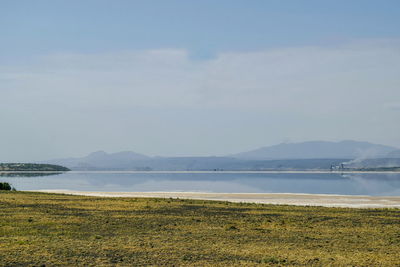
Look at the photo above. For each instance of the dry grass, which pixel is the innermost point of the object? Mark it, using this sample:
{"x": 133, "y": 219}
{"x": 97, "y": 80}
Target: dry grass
{"x": 53, "y": 230}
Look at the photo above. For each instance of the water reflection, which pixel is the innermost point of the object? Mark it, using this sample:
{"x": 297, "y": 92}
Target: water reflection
{"x": 28, "y": 174}
{"x": 316, "y": 183}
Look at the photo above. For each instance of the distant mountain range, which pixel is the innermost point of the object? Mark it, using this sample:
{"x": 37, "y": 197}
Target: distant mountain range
{"x": 317, "y": 150}
{"x": 306, "y": 155}
{"x": 102, "y": 160}
{"x": 394, "y": 154}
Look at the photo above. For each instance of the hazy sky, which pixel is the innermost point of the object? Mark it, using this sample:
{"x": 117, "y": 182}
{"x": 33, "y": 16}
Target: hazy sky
{"x": 195, "y": 77}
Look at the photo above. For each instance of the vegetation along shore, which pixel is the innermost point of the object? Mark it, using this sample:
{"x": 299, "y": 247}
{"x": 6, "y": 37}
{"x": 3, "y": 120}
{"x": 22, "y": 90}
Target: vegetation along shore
{"x": 32, "y": 167}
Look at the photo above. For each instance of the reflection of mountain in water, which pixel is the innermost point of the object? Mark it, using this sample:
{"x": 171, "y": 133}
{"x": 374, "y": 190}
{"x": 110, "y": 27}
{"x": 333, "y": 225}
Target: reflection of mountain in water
{"x": 28, "y": 174}
{"x": 314, "y": 183}
{"x": 376, "y": 184}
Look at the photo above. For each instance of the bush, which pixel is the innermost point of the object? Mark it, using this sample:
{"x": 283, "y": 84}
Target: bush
{"x": 5, "y": 186}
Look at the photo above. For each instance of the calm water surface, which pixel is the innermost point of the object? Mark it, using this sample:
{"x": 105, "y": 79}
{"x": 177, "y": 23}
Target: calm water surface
{"x": 315, "y": 183}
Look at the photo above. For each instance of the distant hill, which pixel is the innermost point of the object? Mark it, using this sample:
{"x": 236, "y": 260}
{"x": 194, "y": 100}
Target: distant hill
{"x": 390, "y": 160}
{"x": 197, "y": 164}
{"x": 133, "y": 161}
{"x": 102, "y": 160}
{"x": 394, "y": 154}
{"x": 296, "y": 156}
{"x": 318, "y": 150}
{"x": 374, "y": 163}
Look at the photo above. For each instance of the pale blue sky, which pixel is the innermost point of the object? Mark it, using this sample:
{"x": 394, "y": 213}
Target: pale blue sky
{"x": 202, "y": 27}
{"x": 195, "y": 77}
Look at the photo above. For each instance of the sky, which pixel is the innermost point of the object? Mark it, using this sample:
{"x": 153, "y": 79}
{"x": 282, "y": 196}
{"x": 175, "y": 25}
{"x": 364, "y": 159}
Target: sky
{"x": 179, "y": 78}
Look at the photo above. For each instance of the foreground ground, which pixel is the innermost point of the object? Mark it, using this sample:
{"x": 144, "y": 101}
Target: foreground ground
{"x": 50, "y": 229}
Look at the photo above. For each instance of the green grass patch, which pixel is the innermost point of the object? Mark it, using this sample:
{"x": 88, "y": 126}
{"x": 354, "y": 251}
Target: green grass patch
{"x": 55, "y": 230}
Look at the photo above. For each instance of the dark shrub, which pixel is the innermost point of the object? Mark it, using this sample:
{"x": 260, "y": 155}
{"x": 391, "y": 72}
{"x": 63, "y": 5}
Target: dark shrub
{"x": 5, "y": 186}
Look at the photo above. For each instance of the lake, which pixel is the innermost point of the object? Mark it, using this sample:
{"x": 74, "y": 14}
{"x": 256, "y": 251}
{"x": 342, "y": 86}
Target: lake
{"x": 374, "y": 184}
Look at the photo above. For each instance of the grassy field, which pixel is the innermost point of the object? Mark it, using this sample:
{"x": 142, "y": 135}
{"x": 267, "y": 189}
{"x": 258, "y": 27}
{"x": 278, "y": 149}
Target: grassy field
{"x": 48, "y": 229}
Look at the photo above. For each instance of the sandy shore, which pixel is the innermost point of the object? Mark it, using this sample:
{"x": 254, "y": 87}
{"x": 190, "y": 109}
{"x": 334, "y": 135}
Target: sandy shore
{"x": 265, "y": 198}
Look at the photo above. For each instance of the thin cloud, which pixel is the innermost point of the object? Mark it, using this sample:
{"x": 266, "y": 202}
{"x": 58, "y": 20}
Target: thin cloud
{"x": 312, "y": 92}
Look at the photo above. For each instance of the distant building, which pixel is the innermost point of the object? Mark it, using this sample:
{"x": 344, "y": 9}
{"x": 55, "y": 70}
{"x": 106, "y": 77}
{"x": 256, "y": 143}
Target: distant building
{"x": 339, "y": 167}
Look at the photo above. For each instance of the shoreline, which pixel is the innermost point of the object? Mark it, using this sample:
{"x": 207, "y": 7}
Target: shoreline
{"x": 265, "y": 171}
{"x": 298, "y": 199}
